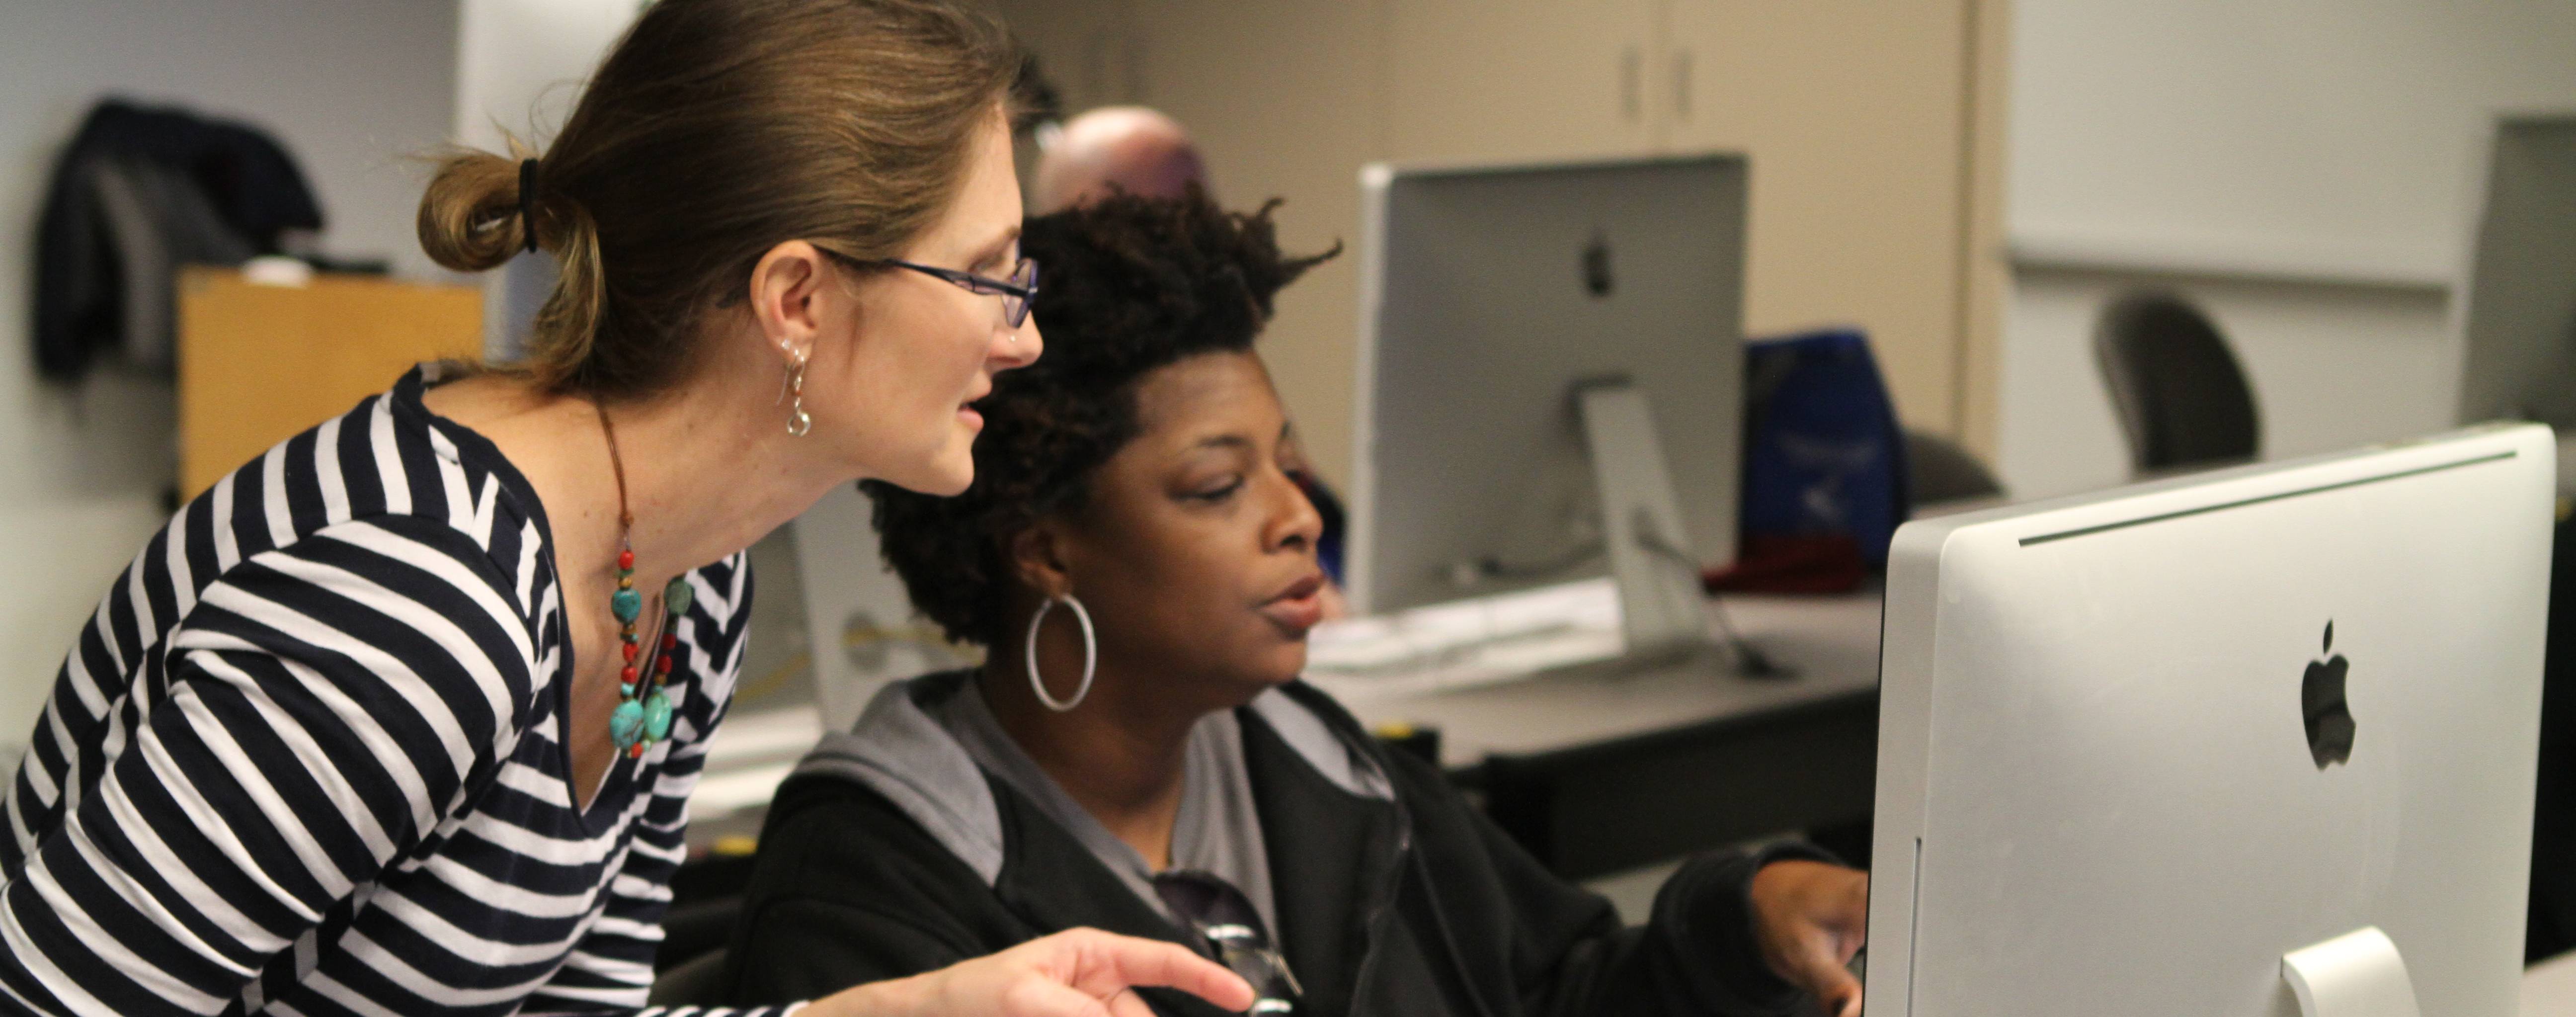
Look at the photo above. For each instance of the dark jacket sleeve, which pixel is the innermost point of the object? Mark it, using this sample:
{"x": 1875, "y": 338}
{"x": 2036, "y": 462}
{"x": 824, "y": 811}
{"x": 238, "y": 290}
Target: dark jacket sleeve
{"x": 843, "y": 895}
{"x": 1569, "y": 954}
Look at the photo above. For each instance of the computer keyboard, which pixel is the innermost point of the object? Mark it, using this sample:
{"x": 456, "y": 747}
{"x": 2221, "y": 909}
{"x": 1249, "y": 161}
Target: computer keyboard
{"x": 1467, "y": 643}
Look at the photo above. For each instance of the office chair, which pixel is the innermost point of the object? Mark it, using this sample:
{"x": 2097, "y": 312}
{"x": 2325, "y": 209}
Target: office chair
{"x": 2176, "y": 388}
{"x": 1938, "y": 470}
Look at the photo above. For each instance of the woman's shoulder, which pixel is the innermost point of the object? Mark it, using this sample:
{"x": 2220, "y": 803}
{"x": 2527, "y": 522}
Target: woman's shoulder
{"x": 720, "y": 591}
{"x": 1324, "y": 738}
{"x": 438, "y": 505}
{"x": 714, "y": 634}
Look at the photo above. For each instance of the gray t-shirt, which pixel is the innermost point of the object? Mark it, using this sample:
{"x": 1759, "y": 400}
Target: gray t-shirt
{"x": 1217, "y": 831}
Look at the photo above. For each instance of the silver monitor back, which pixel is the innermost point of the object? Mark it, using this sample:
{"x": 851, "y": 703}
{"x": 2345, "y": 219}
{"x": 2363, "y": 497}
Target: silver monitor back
{"x": 2098, "y": 791}
{"x": 2517, "y": 315}
{"x": 1487, "y": 293}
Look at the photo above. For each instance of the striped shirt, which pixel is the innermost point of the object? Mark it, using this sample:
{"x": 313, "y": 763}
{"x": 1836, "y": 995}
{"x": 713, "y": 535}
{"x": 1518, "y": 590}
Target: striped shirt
{"x": 308, "y": 757}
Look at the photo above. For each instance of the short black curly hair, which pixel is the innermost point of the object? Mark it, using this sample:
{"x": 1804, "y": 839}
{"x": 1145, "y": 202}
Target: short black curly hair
{"x": 1126, "y": 285}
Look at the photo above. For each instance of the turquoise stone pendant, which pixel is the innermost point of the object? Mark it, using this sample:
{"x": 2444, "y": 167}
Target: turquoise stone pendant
{"x": 627, "y": 604}
{"x": 628, "y": 722}
{"x": 657, "y": 717}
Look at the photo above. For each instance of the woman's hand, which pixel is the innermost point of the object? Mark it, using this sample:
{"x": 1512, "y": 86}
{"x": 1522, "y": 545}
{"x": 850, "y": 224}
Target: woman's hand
{"x": 1080, "y": 973}
{"x": 1811, "y": 919}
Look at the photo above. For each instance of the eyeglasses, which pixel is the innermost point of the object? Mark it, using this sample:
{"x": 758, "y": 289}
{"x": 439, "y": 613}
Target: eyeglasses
{"x": 1016, "y": 291}
{"x": 1232, "y": 930}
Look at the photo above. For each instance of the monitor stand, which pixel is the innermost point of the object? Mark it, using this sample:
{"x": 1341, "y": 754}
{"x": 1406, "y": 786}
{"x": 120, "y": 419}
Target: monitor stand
{"x": 1662, "y": 611}
{"x": 2357, "y": 974}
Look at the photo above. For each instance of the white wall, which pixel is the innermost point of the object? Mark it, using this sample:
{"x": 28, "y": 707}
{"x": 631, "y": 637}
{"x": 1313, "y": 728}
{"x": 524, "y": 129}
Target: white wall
{"x": 2332, "y": 366}
{"x": 352, "y": 87}
{"x": 520, "y": 67}
{"x": 2306, "y": 168}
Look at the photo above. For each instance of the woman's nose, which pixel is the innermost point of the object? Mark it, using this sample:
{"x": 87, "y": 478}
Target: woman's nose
{"x": 1297, "y": 524}
{"x": 1017, "y": 347}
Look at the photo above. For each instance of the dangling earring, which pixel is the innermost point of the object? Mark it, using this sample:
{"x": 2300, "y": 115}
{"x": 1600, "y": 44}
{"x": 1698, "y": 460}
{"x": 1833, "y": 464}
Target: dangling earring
{"x": 798, "y": 421}
{"x": 1090, "y": 654}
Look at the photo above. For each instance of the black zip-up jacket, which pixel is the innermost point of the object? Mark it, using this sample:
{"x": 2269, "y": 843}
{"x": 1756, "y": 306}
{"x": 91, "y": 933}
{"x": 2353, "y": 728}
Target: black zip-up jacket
{"x": 1395, "y": 898}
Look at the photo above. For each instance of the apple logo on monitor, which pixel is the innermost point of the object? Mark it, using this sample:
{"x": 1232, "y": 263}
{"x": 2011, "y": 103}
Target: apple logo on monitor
{"x": 1597, "y": 279}
{"x": 2329, "y": 716}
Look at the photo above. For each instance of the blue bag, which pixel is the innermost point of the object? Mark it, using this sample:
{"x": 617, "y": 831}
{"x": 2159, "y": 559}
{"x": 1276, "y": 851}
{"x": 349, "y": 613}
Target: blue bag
{"x": 1824, "y": 456}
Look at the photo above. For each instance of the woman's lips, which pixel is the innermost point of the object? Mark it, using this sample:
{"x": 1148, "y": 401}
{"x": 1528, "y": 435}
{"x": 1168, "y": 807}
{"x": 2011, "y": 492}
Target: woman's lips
{"x": 1298, "y": 609}
{"x": 966, "y": 415}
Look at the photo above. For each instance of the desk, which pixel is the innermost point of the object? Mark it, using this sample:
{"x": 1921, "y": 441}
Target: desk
{"x": 1596, "y": 769}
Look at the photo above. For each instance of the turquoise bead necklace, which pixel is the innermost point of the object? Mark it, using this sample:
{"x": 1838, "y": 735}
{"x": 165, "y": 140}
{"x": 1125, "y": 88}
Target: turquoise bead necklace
{"x": 643, "y": 714}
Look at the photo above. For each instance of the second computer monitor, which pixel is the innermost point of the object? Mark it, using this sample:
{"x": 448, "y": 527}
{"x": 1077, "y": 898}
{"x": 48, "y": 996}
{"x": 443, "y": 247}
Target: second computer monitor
{"x": 1489, "y": 294}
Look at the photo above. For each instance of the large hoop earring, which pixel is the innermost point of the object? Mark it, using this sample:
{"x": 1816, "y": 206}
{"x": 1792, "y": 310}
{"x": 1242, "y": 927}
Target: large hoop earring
{"x": 1090, "y": 654}
{"x": 798, "y": 421}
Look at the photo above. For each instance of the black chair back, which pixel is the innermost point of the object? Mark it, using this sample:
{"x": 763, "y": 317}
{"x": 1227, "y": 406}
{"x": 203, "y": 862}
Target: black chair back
{"x": 2176, "y": 388}
{"x": 1938, "y": 470}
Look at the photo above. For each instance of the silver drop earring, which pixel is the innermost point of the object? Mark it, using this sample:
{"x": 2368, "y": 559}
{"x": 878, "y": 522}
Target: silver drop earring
{"x": 798, "y": 421}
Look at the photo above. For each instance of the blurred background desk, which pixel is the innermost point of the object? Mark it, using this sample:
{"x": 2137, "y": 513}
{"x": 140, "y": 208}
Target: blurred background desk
{"x": 1598, "y": 768}
{"x": 1592, "y": 767}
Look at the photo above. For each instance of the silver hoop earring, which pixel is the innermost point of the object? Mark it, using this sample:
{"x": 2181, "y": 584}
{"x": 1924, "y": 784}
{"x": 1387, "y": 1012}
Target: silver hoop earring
{"x": 1090, "y": 654}
{"x": 798, "y": 421}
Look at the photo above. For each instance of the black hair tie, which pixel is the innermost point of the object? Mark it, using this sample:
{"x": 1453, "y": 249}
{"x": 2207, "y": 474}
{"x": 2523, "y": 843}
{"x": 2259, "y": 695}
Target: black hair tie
{"x": 527, "y": 191}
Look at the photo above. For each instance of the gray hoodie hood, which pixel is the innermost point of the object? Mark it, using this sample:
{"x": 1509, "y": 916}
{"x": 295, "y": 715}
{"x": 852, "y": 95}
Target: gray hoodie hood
{"x": 901, "y": 752}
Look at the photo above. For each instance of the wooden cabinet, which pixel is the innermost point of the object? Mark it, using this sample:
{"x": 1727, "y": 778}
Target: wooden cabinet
{"x": 259, "y": 363}
{"x": 1855, "y": 115}
{"x": 1518, "y": 79}
{"x": 1873, "y": 131}
{"x": 1282, "y": 96}
{"x": 1285, "y": 100}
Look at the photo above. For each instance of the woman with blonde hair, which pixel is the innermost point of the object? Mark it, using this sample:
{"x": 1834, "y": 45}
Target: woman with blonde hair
{"x": 402, "y": 717}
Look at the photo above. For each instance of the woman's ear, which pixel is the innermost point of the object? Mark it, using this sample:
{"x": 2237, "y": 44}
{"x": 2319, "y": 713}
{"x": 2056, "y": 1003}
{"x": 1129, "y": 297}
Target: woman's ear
{"x": 1038, "y": 557}
{"x": 787, "y": 295}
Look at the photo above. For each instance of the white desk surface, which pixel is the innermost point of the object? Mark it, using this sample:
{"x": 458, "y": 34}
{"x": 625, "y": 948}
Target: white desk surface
{"x": 1831, "y": 642}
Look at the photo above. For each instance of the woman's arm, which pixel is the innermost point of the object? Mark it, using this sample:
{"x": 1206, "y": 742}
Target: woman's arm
{"x": 1721, "y": 940}
{"x": 1705, "y": 950}
{"x": 1812, "y": 918}
{"x": 1077, "y": 973}
{"x": 319, "y": 719}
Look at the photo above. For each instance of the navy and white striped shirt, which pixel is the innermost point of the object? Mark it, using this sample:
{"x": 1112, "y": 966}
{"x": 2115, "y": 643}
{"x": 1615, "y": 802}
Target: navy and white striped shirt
{"x": 308, "y": 757}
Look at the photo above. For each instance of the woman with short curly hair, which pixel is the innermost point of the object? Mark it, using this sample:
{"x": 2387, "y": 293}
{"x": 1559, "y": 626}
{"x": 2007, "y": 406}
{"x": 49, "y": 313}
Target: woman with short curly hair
{"x": 1136, "y": 752}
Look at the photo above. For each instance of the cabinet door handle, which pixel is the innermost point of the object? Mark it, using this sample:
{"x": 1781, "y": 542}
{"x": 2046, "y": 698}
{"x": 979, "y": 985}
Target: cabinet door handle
{"x": 1632, "y": 85}
{"x": 1681, "y": 84}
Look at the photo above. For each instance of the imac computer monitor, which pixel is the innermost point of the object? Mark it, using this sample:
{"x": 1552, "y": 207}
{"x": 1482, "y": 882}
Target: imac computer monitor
{"x": 2252, "y": 743}
{"x": 1529, "y": 334}
{"x": 2517, "y": 318}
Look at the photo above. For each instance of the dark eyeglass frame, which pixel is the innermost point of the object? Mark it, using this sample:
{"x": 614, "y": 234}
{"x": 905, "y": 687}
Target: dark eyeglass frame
{"x": 1017, "y": 292}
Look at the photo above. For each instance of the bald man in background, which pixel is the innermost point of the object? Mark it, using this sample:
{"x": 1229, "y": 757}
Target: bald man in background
{"x": 1130, "y": 148}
